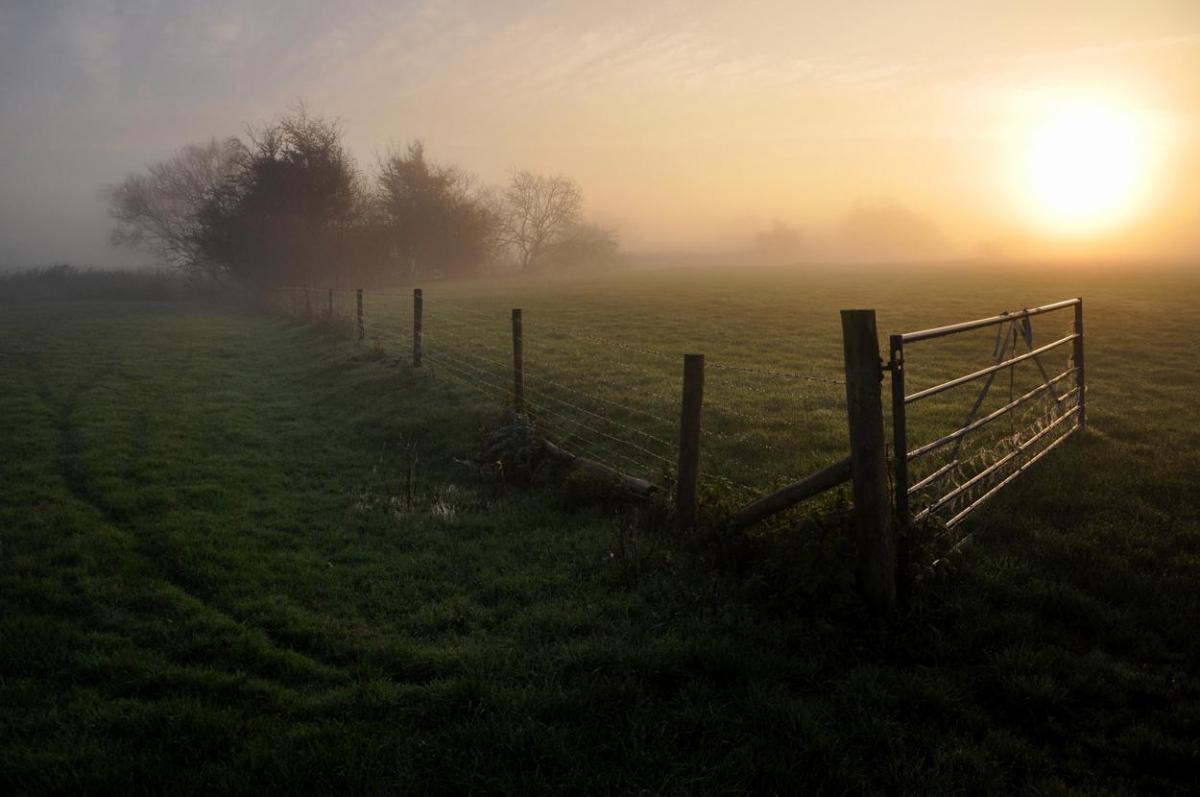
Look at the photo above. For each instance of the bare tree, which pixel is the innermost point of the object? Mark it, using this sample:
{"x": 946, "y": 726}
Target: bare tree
{"x": 157, "y": 210}
{"x": 537, "y": 212}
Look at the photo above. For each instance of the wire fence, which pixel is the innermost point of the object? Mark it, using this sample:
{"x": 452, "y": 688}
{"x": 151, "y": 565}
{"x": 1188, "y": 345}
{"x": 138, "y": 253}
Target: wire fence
{"x": 613, "y": 396}
{"x": 628, "y": 404}
{"x": 602, "y": 394}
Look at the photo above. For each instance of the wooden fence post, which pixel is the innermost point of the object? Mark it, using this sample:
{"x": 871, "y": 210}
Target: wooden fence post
{"x": 1077, "y": 356}
{"x": 307, "y": 306}
{"x": 418, "y": 307}
{"x": 876, "y": 569}
{"x": 329, "y": 306}
{"x": 689, "y": 440}
{"x": 362, "y": 326}
{"x": 518, "y": 362}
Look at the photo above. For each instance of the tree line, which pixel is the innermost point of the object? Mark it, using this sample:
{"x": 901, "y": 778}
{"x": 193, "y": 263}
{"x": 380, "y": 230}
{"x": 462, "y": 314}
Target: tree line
{"x": 287, "y": 204}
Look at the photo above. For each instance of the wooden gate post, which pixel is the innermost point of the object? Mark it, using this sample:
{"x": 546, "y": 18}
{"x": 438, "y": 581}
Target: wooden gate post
{"x": 1077, "y": 356}
{"x": 689, "y": 440}
{"x": 418, "y": 307}
{"x": 362, "y": 327}
{"x": 876, "y": 568}
{"x": 518, "y": 362}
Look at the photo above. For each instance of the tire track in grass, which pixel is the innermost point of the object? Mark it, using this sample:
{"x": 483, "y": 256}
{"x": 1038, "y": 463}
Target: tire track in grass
{"x": 81, "y": 485}
{"x": 68, "y": 456}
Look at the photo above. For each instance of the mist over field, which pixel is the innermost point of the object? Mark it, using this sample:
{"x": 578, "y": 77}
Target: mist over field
{"x": 877, "y": 134}
{"x": 663, "y": 398}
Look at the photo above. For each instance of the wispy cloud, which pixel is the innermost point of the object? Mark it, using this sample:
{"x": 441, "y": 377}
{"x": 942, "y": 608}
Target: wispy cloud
{"x": 627, "y": 95}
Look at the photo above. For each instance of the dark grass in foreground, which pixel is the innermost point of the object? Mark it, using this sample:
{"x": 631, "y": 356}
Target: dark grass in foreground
{"x": 242, "y": 557}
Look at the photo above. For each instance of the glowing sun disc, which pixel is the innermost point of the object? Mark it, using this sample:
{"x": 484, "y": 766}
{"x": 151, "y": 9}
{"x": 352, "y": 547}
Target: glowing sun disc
{"x": 1084, "y": 167}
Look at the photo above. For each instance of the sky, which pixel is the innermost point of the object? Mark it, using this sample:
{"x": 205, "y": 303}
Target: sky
{"x": 879, "y": 130}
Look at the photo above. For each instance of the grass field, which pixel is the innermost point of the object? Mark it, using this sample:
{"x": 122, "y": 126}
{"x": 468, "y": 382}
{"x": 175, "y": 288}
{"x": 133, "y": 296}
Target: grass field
{"x": 603, "y": 356}
{"x": 242, "y": 556}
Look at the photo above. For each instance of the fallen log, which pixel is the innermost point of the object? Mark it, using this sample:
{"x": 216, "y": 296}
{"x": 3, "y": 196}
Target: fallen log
{"x": 639, "y": 489}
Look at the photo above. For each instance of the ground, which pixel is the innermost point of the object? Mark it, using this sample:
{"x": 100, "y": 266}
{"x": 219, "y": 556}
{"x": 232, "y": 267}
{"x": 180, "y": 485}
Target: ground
{"x": 243, "y": 556}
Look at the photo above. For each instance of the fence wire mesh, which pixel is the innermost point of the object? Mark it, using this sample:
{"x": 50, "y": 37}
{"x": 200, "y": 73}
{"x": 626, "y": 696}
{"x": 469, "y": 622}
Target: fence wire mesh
{"x": 607, "y": 385}
{"x": 609, "y": 391}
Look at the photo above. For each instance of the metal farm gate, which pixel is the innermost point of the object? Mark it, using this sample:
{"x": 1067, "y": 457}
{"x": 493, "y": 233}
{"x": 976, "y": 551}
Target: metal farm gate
{"x": 1001, "y": 436}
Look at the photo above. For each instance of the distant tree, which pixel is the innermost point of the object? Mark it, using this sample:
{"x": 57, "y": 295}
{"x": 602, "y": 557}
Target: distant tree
{"x": 782, "y": 243}
{"x": 583, "y": 246}
{"x": 886, "y": 230}
{"x": 289, "y": 205}
{"x": 538, "y": 211}
{"x": 292, "y": 209}
{"x": 435, "y": 222}
{"x": 158, "y": 210}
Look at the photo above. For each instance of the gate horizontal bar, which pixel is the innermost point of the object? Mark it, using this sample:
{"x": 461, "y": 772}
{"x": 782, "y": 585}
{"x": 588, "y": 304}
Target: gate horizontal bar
{"x": 921, "y": 451}
{"x": 966, "y": 326}
{"x": 1000, "y": 463}
{"x": 991, "y": 369}
{"x": 937, "y": 474}
{"x": 954, "y": 521}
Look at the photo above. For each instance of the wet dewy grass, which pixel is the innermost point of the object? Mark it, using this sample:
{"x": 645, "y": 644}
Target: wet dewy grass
{"x": 239, "y": 556}
{"x": 603, "y": 355}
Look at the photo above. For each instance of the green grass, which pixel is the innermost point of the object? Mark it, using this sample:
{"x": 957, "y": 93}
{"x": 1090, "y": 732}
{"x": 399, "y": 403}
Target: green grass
{"x": 603, "y": 355}
{"x": 241, "y": 556}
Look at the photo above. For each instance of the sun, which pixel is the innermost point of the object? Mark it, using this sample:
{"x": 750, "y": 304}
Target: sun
{"x": 1084, "y": 166}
